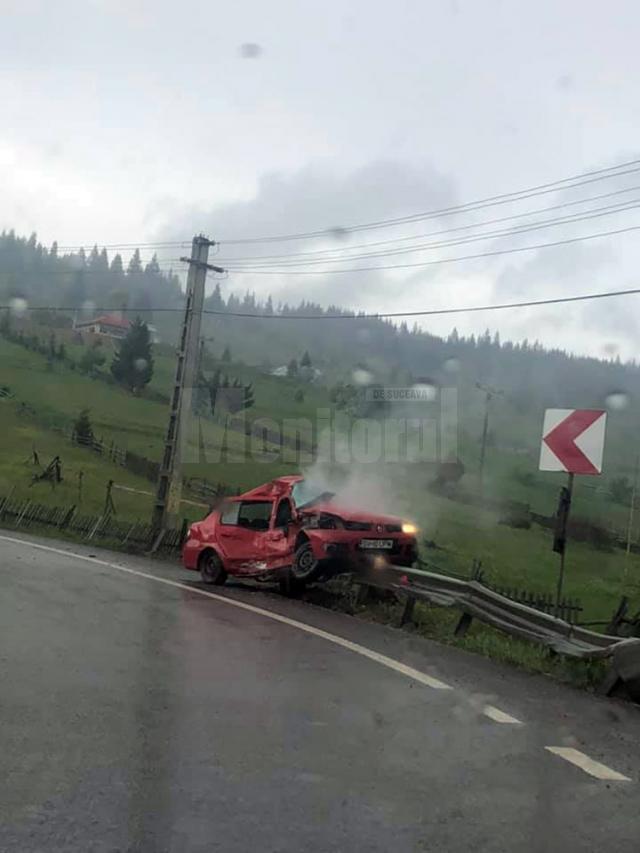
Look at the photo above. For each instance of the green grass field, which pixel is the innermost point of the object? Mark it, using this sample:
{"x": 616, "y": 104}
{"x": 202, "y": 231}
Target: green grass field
{"x": 46, "y": 402}
{"x": 524, "y": 558}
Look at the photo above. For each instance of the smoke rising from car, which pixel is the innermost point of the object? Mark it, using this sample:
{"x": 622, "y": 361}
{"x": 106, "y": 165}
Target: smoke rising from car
{"x": 377, "y": 486}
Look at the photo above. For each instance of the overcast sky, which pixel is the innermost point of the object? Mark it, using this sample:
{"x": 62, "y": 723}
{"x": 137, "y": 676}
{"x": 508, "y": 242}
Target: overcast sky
{"x": 127, "y": 120}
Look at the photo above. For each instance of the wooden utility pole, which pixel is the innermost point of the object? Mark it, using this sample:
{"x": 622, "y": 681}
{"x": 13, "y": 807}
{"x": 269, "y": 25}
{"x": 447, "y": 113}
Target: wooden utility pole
{"x": 169, "y": 490}
{"x": 489, "y": 394}
{"x": 632, "y": 508}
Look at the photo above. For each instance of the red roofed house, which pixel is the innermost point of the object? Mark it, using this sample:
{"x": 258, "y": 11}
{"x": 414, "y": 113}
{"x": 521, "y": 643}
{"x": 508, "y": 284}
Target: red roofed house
{"x": 106, "y": 326}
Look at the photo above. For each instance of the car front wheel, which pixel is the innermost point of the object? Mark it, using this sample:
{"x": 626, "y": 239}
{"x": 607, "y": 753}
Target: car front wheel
{"x": 305, "y": 567}
{"x": 211, "y": 569}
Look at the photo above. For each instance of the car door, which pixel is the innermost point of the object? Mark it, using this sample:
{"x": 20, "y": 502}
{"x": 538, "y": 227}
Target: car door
{"x": 280, "y": 539}
{"x": 242, "y": 532}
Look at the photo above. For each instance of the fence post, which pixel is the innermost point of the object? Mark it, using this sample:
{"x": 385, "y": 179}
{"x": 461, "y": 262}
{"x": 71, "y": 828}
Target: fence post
{"x": 126, "y": 538}
{"x": 95, "y": 527}
{"x": 5, "y": 500}
{"x": 24, "y": 509}
{"x": 67, "y": 518}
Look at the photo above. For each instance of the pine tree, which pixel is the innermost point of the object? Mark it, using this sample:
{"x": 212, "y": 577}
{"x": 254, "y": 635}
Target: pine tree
{"x": 135, "y": 264}
{"x": 292, "y": 368}
{"x": 153, "y": 267}
{"x": 226, "y": 355}
{"x": 117, "y": 267}
{"x": 305, "y": 361}
{"x": 92, "y": 359}
{"x": 132, "y": 365}
{"x": 82, "y": 429}
{"x": 215, "y": 301}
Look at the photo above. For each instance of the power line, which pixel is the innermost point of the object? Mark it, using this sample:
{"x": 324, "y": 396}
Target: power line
{"x": 163, "y": 266}
{"x": 433, "y": 311}
{"x": 153, "y": 245}
{"x": 608, "y": 210}
{"x": 393, "y": 240}
{"x": 490, "y": 201}
{"x": 441, "y": 260}
{"x": 469, "y": 309}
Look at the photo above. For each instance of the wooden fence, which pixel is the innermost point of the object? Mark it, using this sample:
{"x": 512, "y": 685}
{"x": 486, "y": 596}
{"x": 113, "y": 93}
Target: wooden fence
{"x": 133, "y": 462}
{"x": 20, "y": 513}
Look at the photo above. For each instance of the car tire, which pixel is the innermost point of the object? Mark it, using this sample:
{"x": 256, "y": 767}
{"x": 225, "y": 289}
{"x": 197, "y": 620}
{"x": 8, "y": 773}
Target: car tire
{"x": 305, "y": 568}
{"x": 211, "y": 569}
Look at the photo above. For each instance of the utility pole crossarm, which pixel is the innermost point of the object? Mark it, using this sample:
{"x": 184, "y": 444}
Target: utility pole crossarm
{"x": 202, "y": 265}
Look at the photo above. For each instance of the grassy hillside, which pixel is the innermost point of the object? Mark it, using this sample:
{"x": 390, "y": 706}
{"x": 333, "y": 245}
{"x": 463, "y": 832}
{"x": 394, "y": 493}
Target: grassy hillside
{"x": 47, "y": 397}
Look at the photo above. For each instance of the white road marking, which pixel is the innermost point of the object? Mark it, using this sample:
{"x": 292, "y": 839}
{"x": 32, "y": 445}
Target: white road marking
{"x": 593, "y": 768}
{"x": 390, "y": 663}
{"x": 499, "y": 716}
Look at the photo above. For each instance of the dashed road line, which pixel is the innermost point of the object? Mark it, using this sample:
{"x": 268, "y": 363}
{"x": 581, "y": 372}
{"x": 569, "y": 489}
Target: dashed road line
{"x": 593, "y": 768}
{"x": 499, "y": 716}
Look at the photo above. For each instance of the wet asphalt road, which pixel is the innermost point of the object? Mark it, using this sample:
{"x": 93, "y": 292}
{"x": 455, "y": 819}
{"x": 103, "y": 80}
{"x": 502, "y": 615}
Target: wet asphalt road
{"x": 139, "y": 716}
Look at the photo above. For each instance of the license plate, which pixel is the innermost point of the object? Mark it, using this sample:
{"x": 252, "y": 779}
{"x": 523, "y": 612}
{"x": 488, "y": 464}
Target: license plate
{"x": 376, "y": 544}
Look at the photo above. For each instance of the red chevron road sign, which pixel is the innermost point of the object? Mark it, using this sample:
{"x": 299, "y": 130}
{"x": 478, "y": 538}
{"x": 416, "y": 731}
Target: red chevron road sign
{"x": 573, "y": 440}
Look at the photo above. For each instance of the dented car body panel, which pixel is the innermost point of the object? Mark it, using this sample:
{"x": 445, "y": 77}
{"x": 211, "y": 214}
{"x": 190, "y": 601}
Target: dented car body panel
{"x": 257, "y": 534}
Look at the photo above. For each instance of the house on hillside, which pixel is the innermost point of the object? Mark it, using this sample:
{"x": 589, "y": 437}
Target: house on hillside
{"x": 307, "y": 374}
{"x": 112, "y": 326}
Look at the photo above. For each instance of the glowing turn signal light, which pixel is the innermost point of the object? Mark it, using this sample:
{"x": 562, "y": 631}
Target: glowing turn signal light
{"x": 407, "y": 527}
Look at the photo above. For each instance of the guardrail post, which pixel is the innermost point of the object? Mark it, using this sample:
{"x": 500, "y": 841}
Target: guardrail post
{"x": 407, "y": 611}
{"x": 363, "y": 594}
{"x": 463, "y": 625}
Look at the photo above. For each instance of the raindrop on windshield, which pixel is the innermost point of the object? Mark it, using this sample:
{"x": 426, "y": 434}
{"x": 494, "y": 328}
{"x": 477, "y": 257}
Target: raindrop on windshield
{"x": 617, "y": 400}
{"x": 338, "y": 233}
{"x": 362, "y": 377}
{"x": 426, "y": 391}
{"x": 140, "y": 364}
{"x": 18, "y": 306}
{"x": 250, "y": 50}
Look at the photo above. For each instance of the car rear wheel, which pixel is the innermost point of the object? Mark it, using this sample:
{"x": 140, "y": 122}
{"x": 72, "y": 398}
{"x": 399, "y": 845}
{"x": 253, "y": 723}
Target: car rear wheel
{"x": 211, "y": 569}
{"x": 305, "y": 567}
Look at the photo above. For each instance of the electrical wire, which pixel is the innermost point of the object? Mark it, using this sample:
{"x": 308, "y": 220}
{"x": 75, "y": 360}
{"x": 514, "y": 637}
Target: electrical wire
{"x": 393, "y": 240}
{"x": 503, "y": 198}
{"x": 531, "y": 303}
{"x": 153, "y": 245}
{"x": 439, "y": 261}
{"x": 164, "y": 267}
{"x": 608, "y": 210}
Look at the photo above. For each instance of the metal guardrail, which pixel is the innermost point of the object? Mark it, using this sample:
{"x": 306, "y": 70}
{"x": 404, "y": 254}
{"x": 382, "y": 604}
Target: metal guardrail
{"x": 476, "y": 601}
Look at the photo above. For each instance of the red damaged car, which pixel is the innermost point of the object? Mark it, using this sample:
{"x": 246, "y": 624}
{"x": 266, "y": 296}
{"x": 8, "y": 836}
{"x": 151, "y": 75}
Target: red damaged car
{"x": 288, "y": 531}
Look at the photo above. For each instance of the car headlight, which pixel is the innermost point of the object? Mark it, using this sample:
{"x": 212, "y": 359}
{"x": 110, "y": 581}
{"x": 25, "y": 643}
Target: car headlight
{"x": 408, "y": 527}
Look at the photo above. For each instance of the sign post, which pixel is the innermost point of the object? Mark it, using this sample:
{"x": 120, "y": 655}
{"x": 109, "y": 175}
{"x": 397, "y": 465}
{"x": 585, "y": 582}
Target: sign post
{"x": 572, "y": 441}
